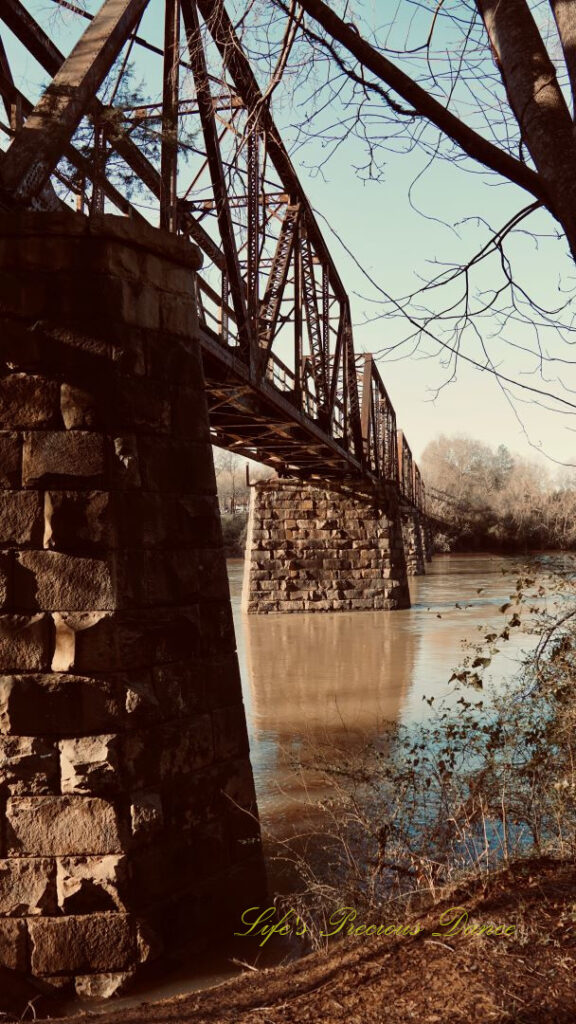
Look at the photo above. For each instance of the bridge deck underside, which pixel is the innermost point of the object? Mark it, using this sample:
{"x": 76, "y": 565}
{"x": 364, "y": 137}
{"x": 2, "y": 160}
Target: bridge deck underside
{"x": 262, "y": 423}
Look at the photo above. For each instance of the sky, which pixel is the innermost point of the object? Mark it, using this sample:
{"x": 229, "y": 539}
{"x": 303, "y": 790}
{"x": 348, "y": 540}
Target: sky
{"x": 401, "y": 230}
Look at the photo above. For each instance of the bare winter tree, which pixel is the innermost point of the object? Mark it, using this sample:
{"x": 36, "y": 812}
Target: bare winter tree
{"x": 489, "y": 85}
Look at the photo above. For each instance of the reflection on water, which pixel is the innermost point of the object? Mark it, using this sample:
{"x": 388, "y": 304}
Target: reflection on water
{"x": 333, "y": 672}
{"x": 338, "y": 678}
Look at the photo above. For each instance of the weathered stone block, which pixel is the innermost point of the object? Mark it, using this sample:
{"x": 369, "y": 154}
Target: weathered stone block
{"x": 216, "y": 626}
{"x": 131, "y": 640}
{"x": 78, "y": 408}
{"x": 230, "y": 735}
{"x": 21, "y": 518}
{"x": 90, "y": 764}
{"x": 26, "y": 642}
{"x": 77, "y": 520}
{"x": 10, "y": 456}
{"x": 5, "y": 580}
{"x": 153, "y": 520}
{"x": 72, "y": 945}
{"x": 186, "y": 747}
{"x": 29, "y": 766}
{"x": 177, "y": 466}
{"x": 175, "y": 577}
{"x": 175, "y": 359}
{"x": 62, "y": 582}
{"x": 90, "y": 884}
{"x": 102, "y": 986}
{"x": 176, "y": 750}
{"x": 58, "y": 705}
{"x": 27, "y": 887}
{"x": 129, "y": 352}
{"x": 28, "y": 402}
{"x": 145, "y": 405}
{"x": 190, "y": 414}
{"x": 146, "y": 815}
{"x": 13, "y": 944}
{"x": 140, "y": 701}
{"x": 178, "y": 315}
{"x": 63, "y": 458}
{"x": 180, "y": 688}
{"x": 124, "y": 463}
{"x": 49, "y": 826}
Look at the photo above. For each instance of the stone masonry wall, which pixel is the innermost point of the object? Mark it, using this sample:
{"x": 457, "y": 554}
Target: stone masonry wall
{"x": 316, "y": 549}
{"x": 122, "y": 730}
{"x": 427, "y": 538}
{"x": 413, "y": 538}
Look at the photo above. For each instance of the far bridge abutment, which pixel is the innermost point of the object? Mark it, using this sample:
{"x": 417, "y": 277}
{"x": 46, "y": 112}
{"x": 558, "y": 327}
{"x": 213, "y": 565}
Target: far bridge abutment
{"x": 323, "y": 547}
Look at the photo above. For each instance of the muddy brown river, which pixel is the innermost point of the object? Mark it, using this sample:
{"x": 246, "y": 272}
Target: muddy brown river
{"x": 338, "y": 678}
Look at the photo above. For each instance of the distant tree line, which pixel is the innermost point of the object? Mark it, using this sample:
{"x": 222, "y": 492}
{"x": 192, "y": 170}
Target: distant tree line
{"x": 491, "y": 499}
{"x": 234, "y": 497}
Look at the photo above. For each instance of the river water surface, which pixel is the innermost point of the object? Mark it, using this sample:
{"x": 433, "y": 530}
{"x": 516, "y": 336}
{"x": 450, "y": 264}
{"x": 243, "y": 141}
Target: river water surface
{"x": 339, "y": 678}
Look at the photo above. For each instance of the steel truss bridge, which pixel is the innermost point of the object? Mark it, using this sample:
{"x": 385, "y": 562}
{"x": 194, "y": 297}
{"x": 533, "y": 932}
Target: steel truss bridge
{"x": 204, "y": 158}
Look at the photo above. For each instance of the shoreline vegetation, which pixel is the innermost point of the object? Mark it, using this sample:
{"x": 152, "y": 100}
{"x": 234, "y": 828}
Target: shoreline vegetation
{"x": 476, "y": 809}
{"x": 482, "y": 499}
{"x": 488, "y": 499}
{"x": 469, "y": 820}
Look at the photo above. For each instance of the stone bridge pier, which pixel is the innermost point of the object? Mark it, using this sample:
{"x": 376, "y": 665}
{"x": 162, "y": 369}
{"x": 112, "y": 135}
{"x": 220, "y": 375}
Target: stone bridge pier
{"x": 323, "y": 547}
{"x": 417, "y": 541}
{"x": 124, "y": 769}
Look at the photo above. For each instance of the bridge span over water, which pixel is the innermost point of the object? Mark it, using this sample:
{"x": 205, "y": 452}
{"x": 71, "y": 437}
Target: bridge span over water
{"x": 130, "y": 341}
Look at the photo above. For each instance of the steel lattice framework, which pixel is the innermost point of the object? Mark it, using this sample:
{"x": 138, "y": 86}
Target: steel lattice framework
{"x": 285, "y": 385}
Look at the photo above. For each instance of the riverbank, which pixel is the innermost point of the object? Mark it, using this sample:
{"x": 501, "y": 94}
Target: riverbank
{"x": 527, "y": 977}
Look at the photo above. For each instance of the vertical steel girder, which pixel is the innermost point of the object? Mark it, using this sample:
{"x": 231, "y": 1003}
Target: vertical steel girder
{"x": 277, "y": 278}
{"x": 39, "y": 145}
{"x": 205, "y": 108}
{"x": 170, "y": 96}
{"x": 315, "y": 337}
{"x": 253, "y": 269}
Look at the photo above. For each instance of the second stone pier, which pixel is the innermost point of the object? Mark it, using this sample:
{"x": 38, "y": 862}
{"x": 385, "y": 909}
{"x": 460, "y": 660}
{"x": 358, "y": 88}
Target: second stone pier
{"x": 322, "y": 548}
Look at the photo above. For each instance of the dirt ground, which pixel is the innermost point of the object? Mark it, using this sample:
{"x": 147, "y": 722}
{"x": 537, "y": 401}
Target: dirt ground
{"x": 525, "y": 978}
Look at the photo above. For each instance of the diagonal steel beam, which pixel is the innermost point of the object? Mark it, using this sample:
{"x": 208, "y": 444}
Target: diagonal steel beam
{"x": 223, "y": 33}
{"x": 9, "y": 91}
{"x": 41, "y": 142}
{"x": 32, "y": 36}
{"x": 7, "y": 88}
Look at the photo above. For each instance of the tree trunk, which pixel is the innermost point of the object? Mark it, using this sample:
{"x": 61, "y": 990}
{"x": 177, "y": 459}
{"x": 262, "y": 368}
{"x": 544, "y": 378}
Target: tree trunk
{"x": 537, "y": 101}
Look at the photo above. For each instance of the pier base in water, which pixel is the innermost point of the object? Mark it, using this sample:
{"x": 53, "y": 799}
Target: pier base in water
{"x": 322, "y": 548}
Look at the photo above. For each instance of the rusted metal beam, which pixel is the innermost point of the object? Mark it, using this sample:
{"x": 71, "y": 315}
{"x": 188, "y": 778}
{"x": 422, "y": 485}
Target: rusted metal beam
{"x": 40, "y": 143}
{"x": 77, "y": 159}
{"x": 253, "y": 245}
{"x": 198, "y": 62}
{"x": 32, "y": 36}
{"x": 277, "y": 278}
{"x": 235, "y": 60}
{"x": 8, "y": 89}
{"x": 169, "y": 155}
{"x": 351, "y": 386}
{"x": 366, "y": 415}
{"x": 310, "y": 296}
